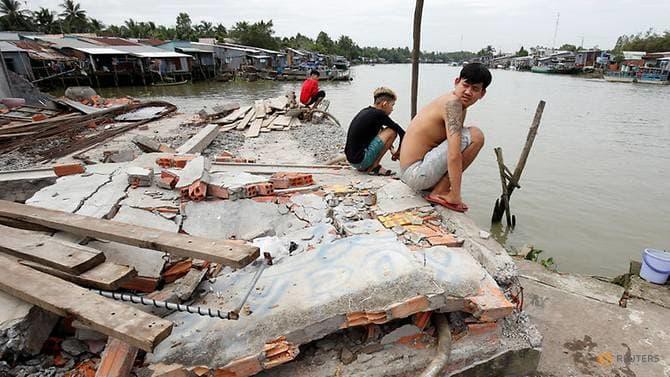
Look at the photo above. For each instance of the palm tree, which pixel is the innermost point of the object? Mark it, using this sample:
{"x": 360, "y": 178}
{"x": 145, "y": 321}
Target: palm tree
{"x": 14, "y": 18}
{"x": 74, "y": 18}
{"x": 44, "y": 18}
{"x": 95, "y": 25}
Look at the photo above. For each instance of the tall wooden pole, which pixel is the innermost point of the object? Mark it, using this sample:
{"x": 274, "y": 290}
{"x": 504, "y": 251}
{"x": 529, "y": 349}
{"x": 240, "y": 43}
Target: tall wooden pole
{"x": 416, "y": 52}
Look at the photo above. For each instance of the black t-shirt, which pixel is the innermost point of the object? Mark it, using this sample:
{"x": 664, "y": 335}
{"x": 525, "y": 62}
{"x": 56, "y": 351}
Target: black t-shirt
{"x": 364, "y": 127}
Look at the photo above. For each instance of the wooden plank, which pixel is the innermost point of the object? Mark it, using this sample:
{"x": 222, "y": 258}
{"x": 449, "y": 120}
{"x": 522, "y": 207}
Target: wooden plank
{"x": 282, "y": 120}
{"x": 66, "y": 299}
{"x": 106, "y": 276}
{"x": 259, "y": 108}
{"x": 117, "y": 360}
{"x": 46, "y": 250}
{"x": 235, "y": 115}
{"x": 268, "y": 121}
{"x": 221, "y": 251}
{"x": 200, "y": 141}
{"x": 229, "y": 127}
{"x": 245, "y": 121}
{"x": 279, "y": 103}
{"x": 255, "y": 128}
{"x": 266, "y": 104}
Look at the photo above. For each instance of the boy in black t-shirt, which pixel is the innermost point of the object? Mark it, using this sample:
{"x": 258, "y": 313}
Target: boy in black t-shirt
{"x": 372, "y": 133}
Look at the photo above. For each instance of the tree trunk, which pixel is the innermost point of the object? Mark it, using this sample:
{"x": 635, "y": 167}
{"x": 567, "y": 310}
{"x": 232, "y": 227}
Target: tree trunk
{"x": 416, "y": 52}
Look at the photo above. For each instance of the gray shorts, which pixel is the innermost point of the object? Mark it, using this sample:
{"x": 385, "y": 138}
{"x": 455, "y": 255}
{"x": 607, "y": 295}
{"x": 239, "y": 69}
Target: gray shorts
{"x": 426, "y": 173}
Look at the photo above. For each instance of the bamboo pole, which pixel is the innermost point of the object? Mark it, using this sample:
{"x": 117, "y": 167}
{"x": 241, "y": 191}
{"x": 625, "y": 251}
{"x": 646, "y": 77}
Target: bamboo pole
{"x": 511, "y": 182}
{"x": 416, "y": 52}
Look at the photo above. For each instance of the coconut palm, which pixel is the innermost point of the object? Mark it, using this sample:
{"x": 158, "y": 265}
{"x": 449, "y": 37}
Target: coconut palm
{"x": 14, "y": 18}
{"x": 74, "y": 18}
{"x": 44, "y": 20}
{"x": 95, "y": 25}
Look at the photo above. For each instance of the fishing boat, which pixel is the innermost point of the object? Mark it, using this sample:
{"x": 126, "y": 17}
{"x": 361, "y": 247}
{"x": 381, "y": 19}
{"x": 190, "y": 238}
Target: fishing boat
{"x": 645, "y": 75}
{"x": 169, "y": 83}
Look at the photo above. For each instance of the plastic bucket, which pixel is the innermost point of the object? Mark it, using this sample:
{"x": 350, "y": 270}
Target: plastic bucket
{"x": 655, "y": 266}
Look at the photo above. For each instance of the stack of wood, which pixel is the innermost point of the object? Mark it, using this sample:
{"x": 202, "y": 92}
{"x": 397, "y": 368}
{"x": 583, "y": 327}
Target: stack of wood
{"x": 69, "y": 128}
{"x": 272, "y": 114}
{"x": 53, "y": 274}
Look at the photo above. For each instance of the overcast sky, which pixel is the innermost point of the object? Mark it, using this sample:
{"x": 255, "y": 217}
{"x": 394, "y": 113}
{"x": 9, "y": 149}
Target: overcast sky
{"x": 448, "y": 25}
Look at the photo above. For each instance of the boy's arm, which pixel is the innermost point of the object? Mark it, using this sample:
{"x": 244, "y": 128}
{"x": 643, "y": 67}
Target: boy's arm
{"x": 388, "y": 122}
{"x": 453, "y": 121}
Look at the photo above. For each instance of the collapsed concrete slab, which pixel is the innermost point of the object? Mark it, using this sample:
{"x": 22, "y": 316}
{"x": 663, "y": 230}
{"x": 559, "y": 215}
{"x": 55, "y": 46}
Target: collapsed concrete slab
{"x": 241, "y": 219}
{"x": 349, "y": 282}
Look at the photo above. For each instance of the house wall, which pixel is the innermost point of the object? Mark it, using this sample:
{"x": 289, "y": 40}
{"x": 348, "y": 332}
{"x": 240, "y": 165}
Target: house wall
{"x": 19, "y": 62}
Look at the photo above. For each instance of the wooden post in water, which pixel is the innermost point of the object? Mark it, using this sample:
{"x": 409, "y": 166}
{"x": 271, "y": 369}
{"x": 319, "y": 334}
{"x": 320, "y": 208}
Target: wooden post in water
{"x": 509, "y": 180}
{"x": 416, "y": 53}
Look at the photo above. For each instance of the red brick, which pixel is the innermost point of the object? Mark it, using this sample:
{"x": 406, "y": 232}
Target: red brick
{"x": 226, "y": 154}
{"x": 409, "y": 307}
{"x": 223, "y": 159}
{"x": 250, "y": 191}
{"x": 180, "y": 161}
{"x": 68, "y": 169}
{"x": 165, "y": 162}
{"x": 38, "y": 117}
{"x": 477, "y": 329}
{"x": 169, "y": 178}
{"x": 265, "y": 189}
{"x": 197, "y": 190}
{"x": 218, "y": 191}
{"x": 421, "y": 319}
{"x": 286, "y": 180}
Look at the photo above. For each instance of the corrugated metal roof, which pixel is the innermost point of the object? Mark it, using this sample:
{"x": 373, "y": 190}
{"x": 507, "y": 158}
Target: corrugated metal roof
{"x": 100, "y": 51}
{"x": 9, "y": 47}
{"x": 112, "y": 41}
{"x": 38, "y": 52}
{"x": 192, "y": 49}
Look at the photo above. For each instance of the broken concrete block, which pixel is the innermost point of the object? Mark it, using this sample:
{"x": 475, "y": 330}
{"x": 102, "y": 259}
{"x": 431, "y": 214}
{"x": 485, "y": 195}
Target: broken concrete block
{"x": 140, "y": 177}
{"x": 196, "y": 169}
{"x": 146, "y": 144}
{"x": 23, "y": 327}
{"x": 68, "y": 169}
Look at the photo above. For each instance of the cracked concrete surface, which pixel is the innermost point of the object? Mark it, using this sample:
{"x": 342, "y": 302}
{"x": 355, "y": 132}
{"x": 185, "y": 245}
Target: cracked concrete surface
{"x": 307, "y": 296}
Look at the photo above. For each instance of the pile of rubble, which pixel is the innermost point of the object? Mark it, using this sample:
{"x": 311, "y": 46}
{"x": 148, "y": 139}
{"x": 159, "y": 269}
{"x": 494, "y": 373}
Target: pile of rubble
{"x": 226, "y": 266}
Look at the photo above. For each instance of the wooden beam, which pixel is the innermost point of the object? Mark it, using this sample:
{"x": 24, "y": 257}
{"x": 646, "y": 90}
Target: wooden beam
{"x": 245, "y": 121}
{"x": 66, "y": 299}
{"x": 220, "y": 251}
{"x": 106, "y": 276}
{"x": 117, "y": 359}
{"x": 64, "y": 256}
{"x": 255, "y": 128}
{"x": 416, "y": 54}
{"x": 200, "y": 141}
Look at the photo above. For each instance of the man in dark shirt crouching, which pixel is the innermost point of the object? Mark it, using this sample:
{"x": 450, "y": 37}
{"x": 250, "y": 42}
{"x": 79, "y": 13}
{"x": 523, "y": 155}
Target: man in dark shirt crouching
{"x": 372, "y": 133}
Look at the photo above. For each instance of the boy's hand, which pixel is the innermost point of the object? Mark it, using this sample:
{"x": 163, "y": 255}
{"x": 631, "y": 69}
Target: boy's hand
{"x": 395, "y": 155}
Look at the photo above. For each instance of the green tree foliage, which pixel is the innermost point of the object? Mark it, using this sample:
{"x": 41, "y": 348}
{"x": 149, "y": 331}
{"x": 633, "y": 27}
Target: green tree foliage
{"x": 184, "y": 29}
{"x": 324, "y": 44}
{"x": 259, "y": 34}
{"x": 74, "y": 18}
{"x": 522, "y": 52}
{"x": 45, "y": 21}
{"x": 487, "y": 51}
{"x": 14, "y": 17}
{"x": 649, "y": 41}
{"x": 568, "y": 47}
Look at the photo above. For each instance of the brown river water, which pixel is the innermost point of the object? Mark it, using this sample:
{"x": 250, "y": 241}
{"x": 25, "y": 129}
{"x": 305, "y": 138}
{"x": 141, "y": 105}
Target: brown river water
{"x": 596, "y": 188}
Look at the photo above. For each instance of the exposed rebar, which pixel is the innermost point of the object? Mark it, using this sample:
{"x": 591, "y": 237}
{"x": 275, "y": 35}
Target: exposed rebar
{"x": 205, "y": 312}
